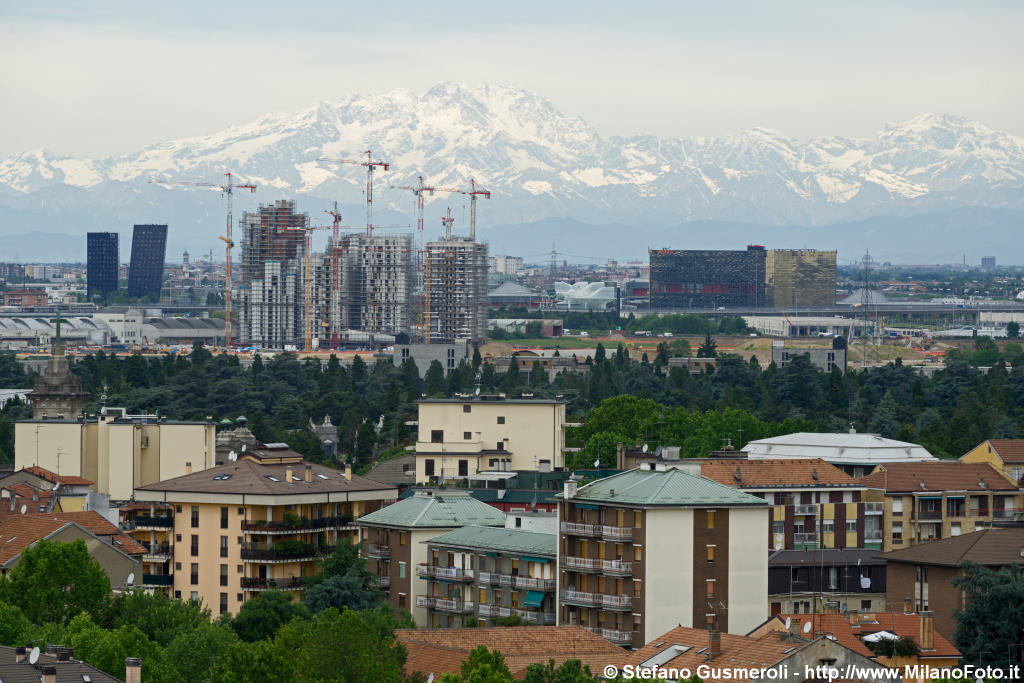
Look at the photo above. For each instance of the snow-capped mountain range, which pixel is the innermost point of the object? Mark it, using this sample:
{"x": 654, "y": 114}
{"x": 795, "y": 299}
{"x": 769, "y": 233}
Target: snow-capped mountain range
{"x": 538, "y": 162}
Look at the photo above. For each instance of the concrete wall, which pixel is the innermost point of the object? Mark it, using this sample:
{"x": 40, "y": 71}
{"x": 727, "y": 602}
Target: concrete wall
{"x": 55, "y": 446}
{"x": 748, "y": 568}
{"x": 669, "y": 554}
{"x": 943, "y": 599}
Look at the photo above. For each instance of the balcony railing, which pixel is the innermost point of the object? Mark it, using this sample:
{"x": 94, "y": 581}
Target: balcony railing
{"x": 157, "y": 579}
{"x": 493, "y": 611}
{"x": 495, "y": 579}
{"x": 805, "y": 539}
{"x": 151, "y": 522}
{"x": 540, "y": 618}
{"x": 617, "y": 567}
{"x": 580, "y": 597}
{"x": 872, "y": 535}
{"x": 254, "y": 583}
{"x": 811, "y": 509}
{"x": 874, "y": 508}
{"x": 380, "y": 581}
{"x": 380, "y": 552}
{"x": 156, "y": 551}
{"x": 261, "y": 526}
{"x": 617, "y": 637}
{"x": 932, "y": 515}
{"x": 582, "y": 563}
{"x": 445, "y": 604}
{"x": 451, "y": 573}
{"x": 1008, "y": 513}
{"x": 580, "y": 529}
{"x": 617, "y": 533}
{"x": 617, "y": 601}
{"x": 284, "y": 552}
{"x": 532, "y": 583}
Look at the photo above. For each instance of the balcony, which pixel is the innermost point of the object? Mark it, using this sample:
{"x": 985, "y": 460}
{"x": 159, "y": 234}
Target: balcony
{"x": 804, "y": 540}
{"x": 616, "y": 567}
{"x": 493, "y": 611}
{"x": 287, "y": 551}
{"x": 380, "y": 581}
{"x": 1008, "y": 513}
{"x": 579, "y": 529}
{"x": 929, "y": 515}
{"x": 874, "y": 508}
{"x": 580, "y": 598}
{"x": 538, "y": 618}
{"x": 811, "y": 509}
{"x": 617, "y": 602}
{"x": 297, "y": 525}
{"x": 156, "y": 552}
{"x": 581, "y": 564}
{"x": 254, "y": 583}
{"x": 445, "y": 604}
{"x": 378, "y": 552}
{"x": 150, "y": 522}
{"x": 429, "y": 571}
{"x": 494, "y": 579}
{"x": 157, "y": 579}
{"x": 533, "y": 584}
{"x": 617, "y": 533}
{"x": 617, "y": 637}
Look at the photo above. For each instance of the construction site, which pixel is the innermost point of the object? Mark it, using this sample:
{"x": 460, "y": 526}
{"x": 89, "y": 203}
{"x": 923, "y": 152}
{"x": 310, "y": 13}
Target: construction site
{"x": 455, "y": 295}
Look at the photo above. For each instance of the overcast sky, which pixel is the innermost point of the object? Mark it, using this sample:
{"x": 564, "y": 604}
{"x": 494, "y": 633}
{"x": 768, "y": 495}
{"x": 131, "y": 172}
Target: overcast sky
{"x": 96, "y": 78}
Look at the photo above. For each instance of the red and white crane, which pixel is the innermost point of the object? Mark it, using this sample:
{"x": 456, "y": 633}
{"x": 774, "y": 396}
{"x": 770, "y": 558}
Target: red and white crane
{"x": 370, "y": 164}
{"x": 227, "y": 190}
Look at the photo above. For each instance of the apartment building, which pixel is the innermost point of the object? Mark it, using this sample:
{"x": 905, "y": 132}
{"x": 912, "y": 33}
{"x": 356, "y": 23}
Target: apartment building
{"x": 926, "y": 501}
{"x": 489, "y": 573}
{"x": 854, "y": 453}
{"x": 1006, "y": 455}
{"x": 152, "y": 526}
{"x": 814, "y": 504}
{"x": 803, "y": 581}
{"x": 648, "y": 549}
{"x": 395, "y": 543}
{"x": 116, "y": 451}
{"x": 263, "y": 521}
{"x": 459, "y": 437}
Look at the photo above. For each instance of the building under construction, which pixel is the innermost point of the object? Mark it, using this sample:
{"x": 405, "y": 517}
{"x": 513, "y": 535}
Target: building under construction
{"x": 683, "y": 279}
{"x": 455, "y": 291}
{"x": 800, "y": 277}
{"x": 376, "y": 283}
{"x": 271, "y": 293}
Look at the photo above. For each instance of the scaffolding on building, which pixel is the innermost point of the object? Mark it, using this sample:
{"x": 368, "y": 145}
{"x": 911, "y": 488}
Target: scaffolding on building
{"x": 455, "y": 287}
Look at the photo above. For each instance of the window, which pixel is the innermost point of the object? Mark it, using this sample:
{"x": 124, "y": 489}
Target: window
{"x": 467, "y": 436}
{"x": 428, "y": 467}
{"x": 223, "y": 603}
{"x": 463, "y": 468}
{"x": 865, "y": 605}
{"x": 195, "y": 516}
{"x": 177, "y": 508}
{"x": 223, "y": 518}
{"x": 710, "y": 583}
{"x": 519, "y": 522}
{"x": 711, "y": 519}
{"x": 177, "y": 566}
{"x": 194, "y": 574}
{"x": 401, "y": 570}
{"x": 466, "y": 408}
{"x": 711, "y": 553}
{"x": 177, "y": 538}
{"x": 436, "y": 436}
{"x": 239, "y": 597}
{"x": 897, "y": 505}
{"x": 500, "y": 446}
{"x": 779, "y": 527}
{"x": 195, "y": 545}
{"x": 897, "y": 532}
{"x": 223, "y": 575}
{"x": 501, "y": 419}
{"x": 177, "y": 595}
{"x": 194, "y": 596}
{"x": 828, "y": 526}
{"x": 223, "y": 546}
{"x": 483, "y": 596}
{"x": 638, "y": 518}
{"x": 955, "y": 529}
{"x": 240, "y": 569}
{"x": 851, "y": 526}
{"x": 401, "y": 538}
{"x": 638, "y": 553}
{"x": 241, "y": 511}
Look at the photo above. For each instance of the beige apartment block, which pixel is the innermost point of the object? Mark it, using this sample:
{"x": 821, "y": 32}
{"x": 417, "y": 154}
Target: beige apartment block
{"x": 117, "y": 452}
{"x": 263, "y": 521}
{"x": 459, "y": 437}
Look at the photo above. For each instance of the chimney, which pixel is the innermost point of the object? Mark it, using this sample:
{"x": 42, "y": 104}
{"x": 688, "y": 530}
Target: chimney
{"x": 188, "y": 468}
{"x": 715, "y": 642}
{"x": 288, "y": 474}
{"x": 620, "y": 456}
{"x": 348, "y": 471}
{"x": 133, "y": 670}
{"x": 569, "y": 490}
{"x": 64, "y": 655}
{"x": 19, "y": 655}
{"x": 309, "y": 474}
{"x": 927, "y": 631}
{"x": 908, "y": 605}
{"x": 49, "y": 674}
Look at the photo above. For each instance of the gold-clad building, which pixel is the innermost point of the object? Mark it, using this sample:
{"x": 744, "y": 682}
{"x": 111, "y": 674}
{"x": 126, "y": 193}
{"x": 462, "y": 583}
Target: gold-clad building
{"x": 800, "y": 277}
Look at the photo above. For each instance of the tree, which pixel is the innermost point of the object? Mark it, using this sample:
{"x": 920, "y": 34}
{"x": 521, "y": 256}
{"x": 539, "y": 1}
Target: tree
{"x": 345, "y": 591}
{"x": 195, "y": 651}
{"x": 55, "y": 581}
{"x": 708, "y": 348}
{"x": 885, "y": 421}
{"x": 433, "y": 381}
{"x": 994, "y": 617}
{"x": 1013, "y": 329}
{"x": 15, "y": 627}
{"x": 262, "y": 616}
{"x": 481, "y": 666}
{"x": 477, "y": 360}
{"x": 366, "y": 437}
{"x": 599, "y": 353}
{"x": 570, "y": 671}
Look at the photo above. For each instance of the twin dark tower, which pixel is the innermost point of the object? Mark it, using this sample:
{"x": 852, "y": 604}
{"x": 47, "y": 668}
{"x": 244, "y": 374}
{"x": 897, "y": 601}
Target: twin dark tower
{"x": 146, "y": 271}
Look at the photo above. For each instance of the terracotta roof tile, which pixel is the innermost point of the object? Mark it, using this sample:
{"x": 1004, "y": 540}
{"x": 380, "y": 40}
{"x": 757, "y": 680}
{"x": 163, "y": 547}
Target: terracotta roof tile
{"x": 52, "y": 476}
{"x": 776, "y": 473}
{"x": 95, "y": 523}
{"x": 1009, "y": 450}
{"x": 442, "y": 650}
{"x": 952, "y": 475}
{"x": 18, "y": 532}
{"x": 849, "y": 635}
{"x": 990, "y": 547}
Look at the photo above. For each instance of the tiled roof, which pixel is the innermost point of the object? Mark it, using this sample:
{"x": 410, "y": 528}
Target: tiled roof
{"x": 1009, "y": 450}
{"x": 399, "y": 471}
{"x": 828, "y": 557}
{"x": 952, "y": 475}
{"x": 507, "y": 540}
{"x": 809, "y": 472}
{"x": 991, "y": 547}
{"x": 72, "y": 671}
{"x": 442, "y": 650}
{"x": 18, "y": 532}
{"x": 849, "y": 634}
{"x": 436, "y": 509}
{"x": 844, "y": 449}
{"x": 737, "y": 651}
{"x": 670, "y": 486}
{"x": 96, "y": 524}
{"x": 254, "y": 478}
{"x": 52, "y": 476}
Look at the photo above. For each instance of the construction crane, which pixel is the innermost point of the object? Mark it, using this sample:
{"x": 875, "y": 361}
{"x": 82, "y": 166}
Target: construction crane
{"x": 370, "y": 166}
{"x": 473, "y": 193}
{"x": 226, "y": 190}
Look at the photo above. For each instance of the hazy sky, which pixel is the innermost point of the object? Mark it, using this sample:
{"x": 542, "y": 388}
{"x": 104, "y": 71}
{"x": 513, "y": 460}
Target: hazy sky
{"x": 94, "y": 78}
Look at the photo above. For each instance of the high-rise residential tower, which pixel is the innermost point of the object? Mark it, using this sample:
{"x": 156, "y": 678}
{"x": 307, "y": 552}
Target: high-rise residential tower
{"x": 101, "y": 262}
{"x": 455, "y": 307}
{"x": 146, "y": 272}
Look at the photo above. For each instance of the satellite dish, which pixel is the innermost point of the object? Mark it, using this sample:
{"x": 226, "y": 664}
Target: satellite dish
{"x": 232, "y": 456}
{"x": 430, "y": 678}
{"x": 24, "y": 508}
{"x": 807, "y": 627}
{"x": 597, "y": 463}
{"x": 131, "y": 579}
{"x": 858, "y": 561}
{"x": 243, "y": 448}
{"x": 33, "y": 656}
{"x": 644, "y": 449}
{"x": 789, "y": 622}
{"x": 475, "y": 393}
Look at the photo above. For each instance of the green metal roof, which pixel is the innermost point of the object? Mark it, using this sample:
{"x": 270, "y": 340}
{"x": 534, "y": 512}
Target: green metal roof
{"x": 505, "y": 540}
{"x": 670, "y": 487}
{"x": 429, "y": 509}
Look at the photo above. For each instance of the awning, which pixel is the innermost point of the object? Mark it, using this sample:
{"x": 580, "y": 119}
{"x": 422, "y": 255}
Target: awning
{"x": 527, "y": 558}
{"x": 534, "y": 598}
{"x": 929, "y": 497}
{"x": 585, "y": 506}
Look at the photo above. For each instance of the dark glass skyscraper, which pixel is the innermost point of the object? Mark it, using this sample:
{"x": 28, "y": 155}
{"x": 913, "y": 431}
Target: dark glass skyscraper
{"x": 101, "y": 262}
{"x": 146, "y": 271}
